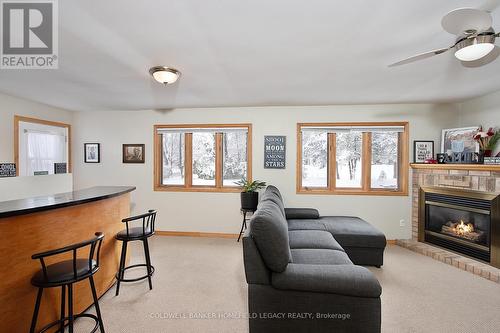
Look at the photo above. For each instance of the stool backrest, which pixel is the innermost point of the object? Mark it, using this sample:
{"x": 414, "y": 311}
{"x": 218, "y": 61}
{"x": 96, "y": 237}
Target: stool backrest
{"x": 148, "y": 222}
{"x": 93, "y": 255}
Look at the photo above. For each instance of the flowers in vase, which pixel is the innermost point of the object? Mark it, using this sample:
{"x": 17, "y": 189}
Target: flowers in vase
{"x": 487, "y": 139}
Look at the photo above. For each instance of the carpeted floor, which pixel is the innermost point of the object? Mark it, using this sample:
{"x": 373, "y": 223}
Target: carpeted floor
{"x": 199, "y": 286}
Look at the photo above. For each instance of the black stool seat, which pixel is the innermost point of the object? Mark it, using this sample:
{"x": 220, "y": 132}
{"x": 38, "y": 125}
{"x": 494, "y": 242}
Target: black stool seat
{"x": 135, "y": 233}
{"x": 63, "y": 273}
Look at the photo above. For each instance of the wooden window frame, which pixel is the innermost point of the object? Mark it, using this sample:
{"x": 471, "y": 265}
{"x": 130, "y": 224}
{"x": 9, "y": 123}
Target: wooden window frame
{"x": 18, "y": 119}
{"x": 366, "y": 160}
{"x": 188, "y": 160}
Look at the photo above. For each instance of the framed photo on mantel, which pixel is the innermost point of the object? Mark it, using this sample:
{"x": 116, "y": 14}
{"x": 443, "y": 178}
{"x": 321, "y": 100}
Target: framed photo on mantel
{"x": 422, "y": 151}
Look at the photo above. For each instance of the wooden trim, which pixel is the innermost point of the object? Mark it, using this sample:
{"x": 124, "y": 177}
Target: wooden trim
{"x": 391, "y": 242}
{"x": 366, "y": 162}
{"x": 18, "y": 119}
{"x": 219, "y": 161}
{"x": 196, "y": 234}
{"x": 332, "y": 161}
{"x": 470, "y": 167}
{"x": 188, "y": 160}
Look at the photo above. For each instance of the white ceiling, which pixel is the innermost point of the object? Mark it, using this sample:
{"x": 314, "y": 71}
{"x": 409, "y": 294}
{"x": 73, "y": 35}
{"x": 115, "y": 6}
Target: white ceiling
{"x": 251, "y": 53}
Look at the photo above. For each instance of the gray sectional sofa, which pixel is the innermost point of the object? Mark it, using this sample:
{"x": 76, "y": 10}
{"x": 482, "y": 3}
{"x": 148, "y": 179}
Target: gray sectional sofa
{"x": 303, "y": 270}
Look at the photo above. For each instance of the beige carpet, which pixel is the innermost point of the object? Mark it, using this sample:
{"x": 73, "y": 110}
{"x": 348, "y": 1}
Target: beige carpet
{"x": 204, "y": 277}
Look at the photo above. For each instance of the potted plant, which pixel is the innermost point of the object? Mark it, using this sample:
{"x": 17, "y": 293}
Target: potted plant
{"x": 487, "y": 141}
{"x": 249, "y": 195}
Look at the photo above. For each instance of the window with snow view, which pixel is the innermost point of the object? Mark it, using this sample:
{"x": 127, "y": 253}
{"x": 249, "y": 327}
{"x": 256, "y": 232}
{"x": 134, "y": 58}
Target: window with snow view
{"x": 202, "y": 157}
{"x": 353, "y": 158}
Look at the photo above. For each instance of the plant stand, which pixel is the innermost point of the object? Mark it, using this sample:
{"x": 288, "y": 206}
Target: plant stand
{"x": 244, "y": 222}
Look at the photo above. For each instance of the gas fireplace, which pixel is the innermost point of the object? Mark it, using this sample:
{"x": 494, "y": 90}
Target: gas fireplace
{"x": 462, "y": 221}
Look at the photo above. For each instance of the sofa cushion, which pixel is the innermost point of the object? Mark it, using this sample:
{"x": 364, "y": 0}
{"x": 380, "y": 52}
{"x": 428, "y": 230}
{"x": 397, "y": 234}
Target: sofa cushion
{"x": 352, "y": 231}
{"x": 301, "y": 213}
{"x": 319, "y": 257}
{"x": 340, "y": 279}
{"x": 306, "y": 225}
{"x": 268, "y": 228}
{"x": 313, "y": 239}
{"x": 273, "y": 194}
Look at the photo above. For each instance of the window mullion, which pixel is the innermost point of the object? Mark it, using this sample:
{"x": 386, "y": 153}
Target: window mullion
{"x": 366, "y": 161}
{"x": 188, "y": 159}
{"x": 218, "y": 160}
{"x": 332, "y": 161}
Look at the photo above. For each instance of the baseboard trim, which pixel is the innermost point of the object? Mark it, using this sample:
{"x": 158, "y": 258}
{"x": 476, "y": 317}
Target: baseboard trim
{"x": 195, "y": 234}
{"x": 391, "y": 242}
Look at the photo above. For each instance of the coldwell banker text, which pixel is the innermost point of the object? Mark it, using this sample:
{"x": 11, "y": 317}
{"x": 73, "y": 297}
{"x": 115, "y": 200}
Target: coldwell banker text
{"x": 29, "y": 34}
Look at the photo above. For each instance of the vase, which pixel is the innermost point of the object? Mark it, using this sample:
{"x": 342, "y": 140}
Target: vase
{"x": 249, "y": 200}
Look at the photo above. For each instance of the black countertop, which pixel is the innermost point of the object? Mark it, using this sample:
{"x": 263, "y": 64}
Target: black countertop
{"x": 38, "y": 204}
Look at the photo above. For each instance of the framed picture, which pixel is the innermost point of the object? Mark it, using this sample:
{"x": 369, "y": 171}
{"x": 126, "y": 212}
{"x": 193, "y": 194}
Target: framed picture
{"x": 7, "y": 170}
{"x": 92, "y": 152}
{"x": 60, "y": 168}
{"x": 422, "y": 150}
{"x": 459, "y": 140}
{"x": 133, "y": 153}
{"x": 274, "y": 152}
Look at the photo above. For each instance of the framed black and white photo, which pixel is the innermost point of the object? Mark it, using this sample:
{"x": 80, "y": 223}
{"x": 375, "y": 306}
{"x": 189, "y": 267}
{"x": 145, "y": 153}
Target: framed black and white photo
{"x": 60, "y": 168}
{"x": 422, "y": 151}
{"x": 133, "y": 153}
{"x": 7, "y": 170}
{"x": 92, "y": 152}
{"x": 459, "y": 140}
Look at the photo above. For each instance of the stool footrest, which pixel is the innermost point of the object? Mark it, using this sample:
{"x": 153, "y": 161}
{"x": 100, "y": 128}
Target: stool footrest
{"x": 138, "y": 278}
{"x": 84, "y": 315}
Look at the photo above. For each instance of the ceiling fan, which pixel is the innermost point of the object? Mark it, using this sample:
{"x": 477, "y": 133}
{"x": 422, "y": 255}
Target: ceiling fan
{"x": 474, "y": 45}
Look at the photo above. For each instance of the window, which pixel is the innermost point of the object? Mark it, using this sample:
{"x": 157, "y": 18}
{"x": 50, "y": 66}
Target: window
{"x": 39, "y": 144}
{"x": 353, "y": 158}
{"x": 202, "y": 157}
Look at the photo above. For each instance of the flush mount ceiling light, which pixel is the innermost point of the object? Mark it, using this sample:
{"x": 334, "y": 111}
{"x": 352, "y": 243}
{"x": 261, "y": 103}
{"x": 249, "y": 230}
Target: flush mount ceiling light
{"x": 165, "y": 75}
{"x": 470, "y": 49}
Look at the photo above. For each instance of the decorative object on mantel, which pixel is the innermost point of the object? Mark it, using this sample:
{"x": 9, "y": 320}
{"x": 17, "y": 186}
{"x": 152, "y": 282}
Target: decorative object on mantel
{"x": 459, "y": 140}
{"x": 92, "y": 152}
{"x": 133, "y": 153}
{"x": 492, "y": 160}
{"x": 459, "y": 158}
{"x": 7, "y": 170}
{"x": 249, "y": 194}
{"x": 60, "y": 168}
{"x": 423, "y": 151}
{"x": 487, "y": 141}
{"x": 40, "y": 173}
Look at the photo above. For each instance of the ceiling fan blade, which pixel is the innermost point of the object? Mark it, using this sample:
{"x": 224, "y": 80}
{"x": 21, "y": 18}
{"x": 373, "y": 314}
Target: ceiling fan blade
{"x": 460, "y": 20}
{"x": 420, "y": 56}
{"x": 489, "y": 5}
{"x": 484, "y": 60}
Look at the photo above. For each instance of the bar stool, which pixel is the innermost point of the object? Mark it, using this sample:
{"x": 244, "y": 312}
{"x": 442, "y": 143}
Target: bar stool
{"x": 63, "y": 274}
{"x": 136, "y": 234}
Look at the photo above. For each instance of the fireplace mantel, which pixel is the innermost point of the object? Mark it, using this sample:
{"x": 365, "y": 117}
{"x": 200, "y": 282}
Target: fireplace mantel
{"x": 471, "y": 167}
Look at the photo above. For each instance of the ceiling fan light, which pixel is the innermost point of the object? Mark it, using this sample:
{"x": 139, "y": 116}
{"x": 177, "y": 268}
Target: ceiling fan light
{"x": 164, "y": 75}
{"x": 474, "y": 52}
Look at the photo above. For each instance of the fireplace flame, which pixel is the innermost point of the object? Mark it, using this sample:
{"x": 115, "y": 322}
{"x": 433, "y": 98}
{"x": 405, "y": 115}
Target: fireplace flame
{"x": 463, "y": 229}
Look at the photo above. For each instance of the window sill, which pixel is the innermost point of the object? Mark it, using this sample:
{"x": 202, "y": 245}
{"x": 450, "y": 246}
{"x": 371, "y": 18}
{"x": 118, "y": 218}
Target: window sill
{"x": 163, "y": 188}
{"x": 353, "y": 192}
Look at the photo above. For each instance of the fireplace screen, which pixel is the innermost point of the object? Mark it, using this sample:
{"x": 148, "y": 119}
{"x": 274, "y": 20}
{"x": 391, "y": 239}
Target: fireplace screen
{"x": 459, "y": 223}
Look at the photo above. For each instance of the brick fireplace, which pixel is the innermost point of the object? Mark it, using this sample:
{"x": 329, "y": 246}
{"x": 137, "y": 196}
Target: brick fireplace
{"x": 482, "y": 180}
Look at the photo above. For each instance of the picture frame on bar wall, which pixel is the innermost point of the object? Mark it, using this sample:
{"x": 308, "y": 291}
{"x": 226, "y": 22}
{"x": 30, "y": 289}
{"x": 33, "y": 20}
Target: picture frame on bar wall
{"x": 92, "y": 152}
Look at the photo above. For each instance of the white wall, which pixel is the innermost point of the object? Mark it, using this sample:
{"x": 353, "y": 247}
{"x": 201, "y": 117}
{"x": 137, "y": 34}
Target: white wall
{"x": 13, "y": 188}
{"x": 219, "y": 212}
{"x": 11, "y": 106}
{"x": 483, "y": 110}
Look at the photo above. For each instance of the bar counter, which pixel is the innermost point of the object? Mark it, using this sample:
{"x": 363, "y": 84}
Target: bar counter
{"x": 33, "y": 225}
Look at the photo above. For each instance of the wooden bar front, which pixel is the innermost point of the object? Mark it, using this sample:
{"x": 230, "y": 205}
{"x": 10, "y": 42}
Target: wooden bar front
{"x": 23, "y": 235}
